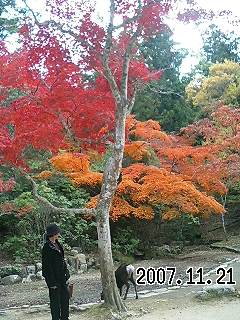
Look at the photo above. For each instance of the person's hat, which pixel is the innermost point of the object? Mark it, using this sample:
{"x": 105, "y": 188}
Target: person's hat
{"x": 52, "y": 229}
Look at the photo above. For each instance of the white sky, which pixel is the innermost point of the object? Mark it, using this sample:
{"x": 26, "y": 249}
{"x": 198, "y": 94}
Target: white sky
{"x": 188, "y": 36}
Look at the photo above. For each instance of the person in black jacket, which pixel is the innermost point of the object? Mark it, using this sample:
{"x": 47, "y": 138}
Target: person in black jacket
{"x": 56, "y": 274}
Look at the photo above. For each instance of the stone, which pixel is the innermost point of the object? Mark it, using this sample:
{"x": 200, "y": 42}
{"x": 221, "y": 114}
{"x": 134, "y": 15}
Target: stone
{"x": 38, "y": 266}
{"x": 73, "y": 252}
{"x": 76, "y": 260}
{"x": 33, "y": 277}
{"x": 29, "y": 278}
{"x": 91, "y": 262}
{"x": 13, "y": 278}
{"x": 26, "y": 280}
{"x": 81, "y": 258}
{"x": 31, "y": 269}
{"x": 216, "y": 291}
{"x": 77, "y": 308}
{"x": 39, "y": 275}
{"x": 158, "y": 252}
{"x": 83, "y": 268}
{"x": 78, "y": 249}
{"x": 138, "y": 254}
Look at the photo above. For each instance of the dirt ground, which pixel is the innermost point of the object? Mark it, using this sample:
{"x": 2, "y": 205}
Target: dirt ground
{"x": 175, "y": 304}
{"x": 87, "y": 286}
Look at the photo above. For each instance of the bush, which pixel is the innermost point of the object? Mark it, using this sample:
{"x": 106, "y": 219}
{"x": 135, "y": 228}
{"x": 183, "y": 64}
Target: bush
{"x": 186, "y": 228}
{"x": 77, "y": 232}
{"x": 22, "y": 248}
{"x": 125, "y": 241}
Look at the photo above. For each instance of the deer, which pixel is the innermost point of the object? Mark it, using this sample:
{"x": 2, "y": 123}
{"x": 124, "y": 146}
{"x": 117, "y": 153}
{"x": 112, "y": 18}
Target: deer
{"x": 123, "y": 275}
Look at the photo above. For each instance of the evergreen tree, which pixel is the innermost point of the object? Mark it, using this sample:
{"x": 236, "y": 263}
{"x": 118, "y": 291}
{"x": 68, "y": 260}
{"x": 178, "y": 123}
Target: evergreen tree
{"x": 164, "y": 100}
{"x": 7, "y": 24}
{"x": 219, "y": 46}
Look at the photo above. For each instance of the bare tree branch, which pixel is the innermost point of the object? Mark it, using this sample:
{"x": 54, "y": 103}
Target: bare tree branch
{"x": 131, "y": 102}
{"x": 168, "y": 92}
{"x": 50, "y": 206}
{"x": 106, "y": 54}
{"x": 127, "y": 56}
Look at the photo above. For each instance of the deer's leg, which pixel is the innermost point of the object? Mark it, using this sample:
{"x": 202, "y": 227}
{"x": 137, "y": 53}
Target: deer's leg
{"x": 120, "y": 290}
{"x": 127, "y": 285}
{"x": 135, "y": 286}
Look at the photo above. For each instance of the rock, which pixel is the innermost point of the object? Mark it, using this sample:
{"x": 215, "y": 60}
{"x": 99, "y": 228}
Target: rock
{"x": 138, "y": 254}
{"x": 83, "y": 267}
{"x": 158, "y": 252}
{"x": 26, "y": 280}
{"x": 77, "y": 308}
{"x": 78, "y": 249}
{"x": 216, "y": 291}
{"x": 74, "y": 252}
{"x": 33, "y": 277}
{"x": 13, "y": 278}
{"x": 31, "y": 269}
{"x": 29, "y": 278}
{"x": 75, "y": 261}
{"x": 91, "y": 262}
{"x": 39, "y": 275}
{"x": 81, "y": 258}
{"x": 38, "y": 266}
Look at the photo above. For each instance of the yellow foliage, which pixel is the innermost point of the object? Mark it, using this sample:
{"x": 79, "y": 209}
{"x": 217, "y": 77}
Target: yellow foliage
{"x": 222, "y": 85}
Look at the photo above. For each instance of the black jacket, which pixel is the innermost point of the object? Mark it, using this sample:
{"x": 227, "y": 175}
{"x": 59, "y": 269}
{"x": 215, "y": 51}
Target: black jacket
{"x": 54, "y": 268}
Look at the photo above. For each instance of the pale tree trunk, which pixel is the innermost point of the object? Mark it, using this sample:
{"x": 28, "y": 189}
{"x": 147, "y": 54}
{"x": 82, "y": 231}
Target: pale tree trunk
{"x": 224, "y": 200}
{"x": 111, "y": 174}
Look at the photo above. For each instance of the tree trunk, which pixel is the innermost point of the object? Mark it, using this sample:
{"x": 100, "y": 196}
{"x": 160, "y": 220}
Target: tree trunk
{"x": 224, "y": 200}
{"x": 111, "y": 174}
{"x": 110, "y": 290}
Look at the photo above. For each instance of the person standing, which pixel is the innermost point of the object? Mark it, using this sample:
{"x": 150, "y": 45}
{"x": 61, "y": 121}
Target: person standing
{"x": 56, "y": 274}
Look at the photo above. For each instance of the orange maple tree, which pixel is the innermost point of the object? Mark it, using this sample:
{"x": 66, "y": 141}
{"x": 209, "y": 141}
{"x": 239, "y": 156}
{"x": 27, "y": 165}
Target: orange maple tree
{"x": 186, "y": 179}
{"x": 142, "y": 189}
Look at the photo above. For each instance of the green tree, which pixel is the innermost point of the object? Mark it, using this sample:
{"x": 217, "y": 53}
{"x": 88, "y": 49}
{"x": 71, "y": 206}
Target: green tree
{"x": 8, "y": 24}
{"x": 219, "y": 46}
{"x": 164, "y": 100}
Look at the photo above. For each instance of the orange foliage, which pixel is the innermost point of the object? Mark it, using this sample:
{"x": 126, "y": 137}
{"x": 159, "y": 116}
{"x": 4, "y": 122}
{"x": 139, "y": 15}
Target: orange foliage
{"x": 88, "y": 179}
{"x": 143, "y": 187}
{"x": 170, "y": 215}
{"x": 197, "y": 164}
{"x": 77, "y": 168}
{"x": 148, "y": 130}
{"x": 71, "y": 162}
{"x": 43, "y": 175}
{"x": 149, "y": 185}
{"x": 137, "y": 150}
{"x": 121, "y": 208}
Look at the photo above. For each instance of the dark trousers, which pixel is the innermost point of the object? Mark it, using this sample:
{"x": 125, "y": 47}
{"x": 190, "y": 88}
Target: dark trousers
{"x": 59, "y": 302}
